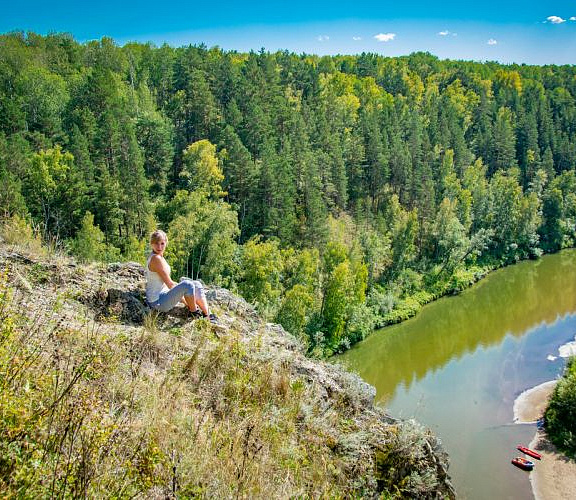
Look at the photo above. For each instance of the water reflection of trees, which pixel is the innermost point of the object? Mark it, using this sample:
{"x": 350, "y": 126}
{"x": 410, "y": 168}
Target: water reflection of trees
{"x": 510, "y": 301}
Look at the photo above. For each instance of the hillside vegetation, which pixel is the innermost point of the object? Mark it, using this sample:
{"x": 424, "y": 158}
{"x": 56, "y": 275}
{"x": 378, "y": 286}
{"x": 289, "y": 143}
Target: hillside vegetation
{"x": 101, "y": 399}
{"x": 334, "y": 193}
{"x": 560, "y": 415}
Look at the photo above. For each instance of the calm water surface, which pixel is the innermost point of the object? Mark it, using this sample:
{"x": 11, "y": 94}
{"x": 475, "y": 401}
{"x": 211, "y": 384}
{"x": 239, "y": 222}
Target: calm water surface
{"x": 458, "y": 366}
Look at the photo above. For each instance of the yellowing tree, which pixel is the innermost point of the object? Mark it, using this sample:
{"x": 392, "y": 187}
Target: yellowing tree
{"x": 509, "y": 80}
{"x": 201, "y": 169}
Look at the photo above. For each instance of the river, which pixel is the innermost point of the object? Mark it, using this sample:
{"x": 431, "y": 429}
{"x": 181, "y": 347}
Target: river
{"x": 458, "y": 366}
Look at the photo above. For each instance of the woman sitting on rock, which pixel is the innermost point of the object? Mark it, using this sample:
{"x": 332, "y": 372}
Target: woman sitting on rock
{"x": 162, "y": 293}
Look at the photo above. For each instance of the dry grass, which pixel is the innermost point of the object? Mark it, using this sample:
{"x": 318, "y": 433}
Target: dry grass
{"x": 21, "y": 236}
{"x": 95, "y": 412}
{"x": 104, "y": 409}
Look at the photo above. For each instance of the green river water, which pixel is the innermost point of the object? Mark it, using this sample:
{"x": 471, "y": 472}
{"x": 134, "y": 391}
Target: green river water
{"x": 459, "y": 365}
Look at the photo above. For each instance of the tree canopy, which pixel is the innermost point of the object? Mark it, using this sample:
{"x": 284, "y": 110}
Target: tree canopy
{"x": 331, "y": 191}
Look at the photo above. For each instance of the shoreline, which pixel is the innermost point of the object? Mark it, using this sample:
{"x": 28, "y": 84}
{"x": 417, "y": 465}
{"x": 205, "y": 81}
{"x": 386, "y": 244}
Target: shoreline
{"x": 393, "y": 317}
{"x": 530, "y": 405}
{"x": 553, "y": 477}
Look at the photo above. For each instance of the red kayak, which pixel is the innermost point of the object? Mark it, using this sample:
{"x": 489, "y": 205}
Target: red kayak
{"x": 523, "y": 463}
{"x": 529, "y": 452}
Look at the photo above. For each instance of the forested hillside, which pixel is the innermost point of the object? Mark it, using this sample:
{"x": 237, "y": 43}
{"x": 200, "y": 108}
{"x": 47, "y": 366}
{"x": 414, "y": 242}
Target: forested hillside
{"x": 335, "y": 193}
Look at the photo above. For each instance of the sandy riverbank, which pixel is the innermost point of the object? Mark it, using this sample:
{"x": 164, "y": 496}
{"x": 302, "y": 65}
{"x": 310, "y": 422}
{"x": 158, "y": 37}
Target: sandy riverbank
{"x": 530, "y": 405}
{"x": 554, "y": 477}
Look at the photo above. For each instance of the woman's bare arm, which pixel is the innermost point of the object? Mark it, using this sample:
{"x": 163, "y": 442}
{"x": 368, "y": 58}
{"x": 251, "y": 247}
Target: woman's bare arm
{"x": 159, "y": 265}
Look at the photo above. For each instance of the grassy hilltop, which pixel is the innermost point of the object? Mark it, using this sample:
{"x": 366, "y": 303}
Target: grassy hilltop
{"x": 100, "y": 398}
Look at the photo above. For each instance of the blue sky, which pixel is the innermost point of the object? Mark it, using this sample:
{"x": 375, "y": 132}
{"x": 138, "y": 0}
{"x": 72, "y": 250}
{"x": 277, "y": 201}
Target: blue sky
{"x": 532, "y": 32}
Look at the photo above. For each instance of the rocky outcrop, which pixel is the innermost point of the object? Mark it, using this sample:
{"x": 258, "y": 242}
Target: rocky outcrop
{"x": 388, "y": 455}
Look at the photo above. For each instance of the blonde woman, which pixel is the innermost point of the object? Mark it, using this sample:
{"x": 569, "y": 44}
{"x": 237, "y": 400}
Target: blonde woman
{"x": 162, "y": 293}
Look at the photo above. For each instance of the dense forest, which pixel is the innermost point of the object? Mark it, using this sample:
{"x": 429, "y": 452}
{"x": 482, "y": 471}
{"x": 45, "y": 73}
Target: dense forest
{"x": 336, "y": 193}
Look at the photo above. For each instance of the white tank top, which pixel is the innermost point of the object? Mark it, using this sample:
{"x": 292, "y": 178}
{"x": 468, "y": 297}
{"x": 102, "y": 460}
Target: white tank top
{"x": 154, "y": 284}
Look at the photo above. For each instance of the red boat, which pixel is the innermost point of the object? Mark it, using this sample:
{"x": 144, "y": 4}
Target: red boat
{"x": 523, "y": 463}
{"x": 529, "y": 452}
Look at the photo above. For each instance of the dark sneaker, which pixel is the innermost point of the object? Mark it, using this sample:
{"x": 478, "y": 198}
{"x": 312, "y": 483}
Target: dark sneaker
{"x": 197, "y": 314}
{"x": 213, "y": 319}
{"x": 216, "y": 325}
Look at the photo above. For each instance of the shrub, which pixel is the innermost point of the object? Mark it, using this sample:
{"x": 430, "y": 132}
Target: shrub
{"x": 360, "y": 323}
{"x": 380, "y": 300}
{"x": 406, "y": 308}
{"x": 461, "y": 279}
{"x": 89, "y": 243}
{"x": 18, "y": 232}
{"x": 295, "y": 309}
{"x": 560, "y": 415}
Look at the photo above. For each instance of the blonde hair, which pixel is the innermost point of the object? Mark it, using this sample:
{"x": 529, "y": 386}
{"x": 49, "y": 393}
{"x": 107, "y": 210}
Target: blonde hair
{"x": 158, "y": 235}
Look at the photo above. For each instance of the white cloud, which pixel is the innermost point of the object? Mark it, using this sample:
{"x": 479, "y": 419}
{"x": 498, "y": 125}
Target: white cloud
{"x": 555, "y": 20}
{"x": 492, "y": 41}
{"x": 573, "y": 18}
{"x": 444, "y": 33}
{"x": 323, "y": 38}
{"x": 385, "y": 37}
{"x": 356, "y": 38}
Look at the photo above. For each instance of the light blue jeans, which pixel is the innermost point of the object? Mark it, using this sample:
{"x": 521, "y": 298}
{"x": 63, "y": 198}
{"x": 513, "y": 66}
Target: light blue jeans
{"x": 169, "y": 299}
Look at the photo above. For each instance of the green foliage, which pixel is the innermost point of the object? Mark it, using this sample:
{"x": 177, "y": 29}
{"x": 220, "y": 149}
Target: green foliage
{"x": 301, "y": 268}
{"x": 395, "y": 167}
{"x": 560, "y": 415}
{"x": 503, "y": 153}
{"x": 337, "y": 292}
{"x": 552, "y": 209}
{"x": 45, "y": 95}
{"x": 259, "y": 271}
{"x": 89, "y": 243}
{"x": 334, "y": 255}
{"x": 377, "y": 253}
{"x": 202, "y": 236}
{"x": 295, "y": 309}
{"x": 381, "y": 301}
{"x": 360, "y": 324}
{"x": 11, "y": 199}
{"x": 448, "y": 236}
{"x": 404, "y": 232}
{"x": 135, "y": 250}
{"x": 404, "y": 309}
{"x": 154, "y": 133}
{"x": 53, "y": 190}
{"x": 201, "y": 170}
{"x": 510, "y": 219}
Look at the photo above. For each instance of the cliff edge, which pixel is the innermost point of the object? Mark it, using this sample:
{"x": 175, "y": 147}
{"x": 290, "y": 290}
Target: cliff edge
{"x": 101, "y": 397}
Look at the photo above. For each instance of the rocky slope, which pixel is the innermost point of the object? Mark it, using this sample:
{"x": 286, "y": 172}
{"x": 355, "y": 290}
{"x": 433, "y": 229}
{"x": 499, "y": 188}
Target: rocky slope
{"x": 140, "y": 404}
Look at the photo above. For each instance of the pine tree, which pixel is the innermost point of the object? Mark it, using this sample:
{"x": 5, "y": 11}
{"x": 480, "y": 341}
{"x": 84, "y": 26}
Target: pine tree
{"x": 503, "y": 150}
